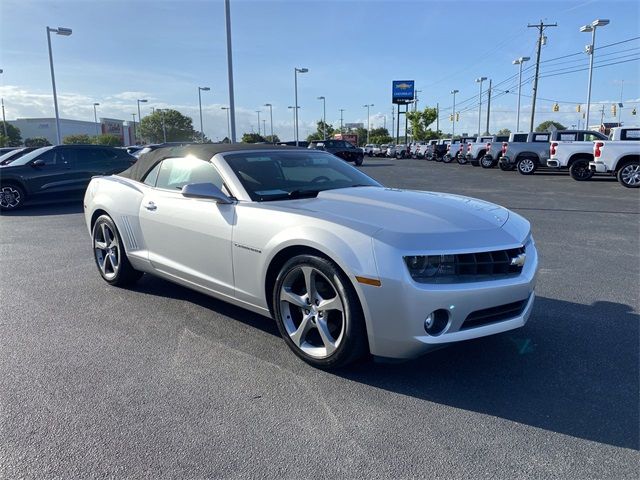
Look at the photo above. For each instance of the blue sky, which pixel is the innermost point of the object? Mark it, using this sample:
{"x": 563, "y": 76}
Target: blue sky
{"x": 163, "y": 50}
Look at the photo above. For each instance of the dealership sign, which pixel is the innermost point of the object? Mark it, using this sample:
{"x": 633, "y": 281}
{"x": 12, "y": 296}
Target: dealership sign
{"x": 403, "y": 91}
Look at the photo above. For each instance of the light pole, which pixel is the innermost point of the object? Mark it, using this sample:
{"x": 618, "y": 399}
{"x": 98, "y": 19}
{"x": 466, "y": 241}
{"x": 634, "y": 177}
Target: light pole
{"x": 415, "y": 99}
{"x": 232, "y": 108}
{"x": 65, "y": 32}
{"x": 367, "y": 106}
{"x": 519, "y": 62}
{"x": 95, "y": 116}
{"x": 453, "y": 115}
{"x": 139, "y": 101}
{"x": 258, "y": 112}
{"x": 590, "y": 51}
{"x": 296, "y": 71}
{"x": 164, "y": 128}
{"x": 4, "y": 121}
{"x": 264, "y": 127}
{"x": 271, "y": 117}
{"x": 341, "y": 111}
{"x": 295, "y": 118}
{"x": 201, "y": 89}
{"x": 228, "y": 122}
{"x": 324, "y": 117}
{"x": 480, "y": 80}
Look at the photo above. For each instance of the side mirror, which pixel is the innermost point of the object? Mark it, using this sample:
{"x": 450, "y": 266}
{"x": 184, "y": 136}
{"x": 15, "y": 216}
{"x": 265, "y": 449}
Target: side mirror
{"x": 38, "y": 163}
{"x": 205, "y": 190}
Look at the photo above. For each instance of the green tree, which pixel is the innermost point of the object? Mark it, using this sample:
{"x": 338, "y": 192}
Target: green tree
{"x": 274, "y": 139}
{"x": 504, "y": 131}
{"x": 319, "y": 133}
{"x": 106, "y": 139}
{"x": 546, "y": 126}
{"x": 82, "y": 139}
{"x": 419, "y": 121}
{"x": 13, "y": 138}
{"x": 36, "y": 142}
{"x": 178, "y": 127}
{"x": 252, "y": 138}
{"x": 379, "y": 136}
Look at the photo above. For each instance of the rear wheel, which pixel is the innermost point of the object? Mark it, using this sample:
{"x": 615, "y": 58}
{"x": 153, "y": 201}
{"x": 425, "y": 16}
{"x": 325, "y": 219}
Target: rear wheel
{"x": 109, "y": 254}
{"x": 318, "y": 313}
{"x": 359, "y": 159}
{"x": 462, "y": 160}
{"x": 579, "y": 170}
{"x": 629, "y": 174}
{"x": 486, "y": 162}
{"x": 12, "y": 197}
{"x": 506, "y": 167}
{"x": 526, "y": 166}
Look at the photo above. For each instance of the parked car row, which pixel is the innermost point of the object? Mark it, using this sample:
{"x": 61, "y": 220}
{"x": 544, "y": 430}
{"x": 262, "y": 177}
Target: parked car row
{"x": 582, "y": 152}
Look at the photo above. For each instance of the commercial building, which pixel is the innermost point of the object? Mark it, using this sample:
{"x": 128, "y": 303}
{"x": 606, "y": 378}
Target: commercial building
{"x": 46, "y": 127}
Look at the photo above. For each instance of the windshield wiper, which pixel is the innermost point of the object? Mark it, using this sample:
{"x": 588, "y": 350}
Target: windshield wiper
{"x": 303, "y": 193}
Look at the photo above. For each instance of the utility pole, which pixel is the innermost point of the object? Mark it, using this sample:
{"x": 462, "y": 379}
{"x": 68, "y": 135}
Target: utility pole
{"x": 540, "y": 28}
{"x": 488, "y": 105}
{"x": 437, "y": 117}
{"x": 341, "y": 110}
{"x": 601, "y": 117}
{"x": 393, "y": 119}
{"x": 620, "y": 106}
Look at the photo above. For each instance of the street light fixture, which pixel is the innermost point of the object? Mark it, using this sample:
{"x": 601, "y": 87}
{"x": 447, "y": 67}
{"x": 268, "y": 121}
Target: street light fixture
{"x": 368, "y": 119}
{"x": 65, "y": 32}
{"x": 480, "y": 80}
{"x": 228, "y": 122}
{"x": 140, "y": 116}
{"x": 453, "y": 115}
{"x": 271, "y": 116}
{"x": 324, "y": 117}
{"x": 95, "y": 116}
{"x": 519, "y": 61}
{"x": 201, "y": 89}
{"x": 590, "y": 51}
{"x": 296, "y": 71}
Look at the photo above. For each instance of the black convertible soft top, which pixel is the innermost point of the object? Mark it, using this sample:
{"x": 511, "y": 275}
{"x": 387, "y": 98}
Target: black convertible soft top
{"x": 204, "y": 151}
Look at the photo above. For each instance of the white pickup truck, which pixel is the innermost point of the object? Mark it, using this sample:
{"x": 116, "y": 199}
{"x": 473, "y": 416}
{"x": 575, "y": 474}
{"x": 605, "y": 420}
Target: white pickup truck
{"x": 619, "y": 157}
{"x": 573, "y": 150}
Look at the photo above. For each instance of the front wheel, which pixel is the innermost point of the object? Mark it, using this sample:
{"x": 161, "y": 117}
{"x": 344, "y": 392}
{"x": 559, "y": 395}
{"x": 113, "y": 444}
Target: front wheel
{"x": 526, "y": 166}
{"x": 109, "y": 254}
{"x": 486, "y": 162}
{"x": 462, "y": 160}
{"x": 318, "y": 313}
{"x": 12, "y": 197}
{"x": 579, "y": 170}
{"x": 629, "y": 175}
{"x": 359, "y": 159}
{"x": 505, "y": 167}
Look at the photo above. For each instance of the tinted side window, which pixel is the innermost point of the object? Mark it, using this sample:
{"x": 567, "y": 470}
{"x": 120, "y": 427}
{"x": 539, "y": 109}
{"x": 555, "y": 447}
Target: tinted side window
{"x": 66, "y": 156}
{"x": 630, "y": 134}
{"x": 48, "y": 157}
{"x": 93, "y": 157}
{"x": 175, "y": 173}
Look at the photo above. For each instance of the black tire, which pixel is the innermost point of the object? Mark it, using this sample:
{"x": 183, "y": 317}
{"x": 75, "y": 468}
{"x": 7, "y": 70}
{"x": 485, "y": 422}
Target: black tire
{"x": 629, "y": 174}
{"x": 487, "y": 163}
{"x": 359, "y": 159}
{"x": 579, "y": 170}
{"x": 121, "y": 275}
{"x": 506, "y": 167}
{"x": 462, "y": 160}
{"x": 526, "y": 165}
{"x": 353, "y": 344}
{"x": 447, "y": 159}
{"x": 12, "y": 197}
{"x": 370, "y": 154}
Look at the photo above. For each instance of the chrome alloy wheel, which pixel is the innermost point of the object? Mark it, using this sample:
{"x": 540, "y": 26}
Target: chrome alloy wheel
{"x": 10, "y": 197}
{"x": 630, "y": 174}
{"x": 107, "y": 251}
{"x": 526, "y": 165}
{"x": 312, "y": 311}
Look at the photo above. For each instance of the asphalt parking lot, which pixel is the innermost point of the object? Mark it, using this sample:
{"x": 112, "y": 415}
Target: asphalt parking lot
{"x": 159, "y": 381}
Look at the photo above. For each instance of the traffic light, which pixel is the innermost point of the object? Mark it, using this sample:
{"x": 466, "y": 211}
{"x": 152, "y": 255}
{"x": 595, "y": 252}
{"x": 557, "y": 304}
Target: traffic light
{"x": 556, "y": 107}
{"x": 633, "y": 112}
{"x": 614, "y": 109}
{"x": 451, "y": 117}
{"x": 578, "y": 108}
{"x": 457, "y": 116}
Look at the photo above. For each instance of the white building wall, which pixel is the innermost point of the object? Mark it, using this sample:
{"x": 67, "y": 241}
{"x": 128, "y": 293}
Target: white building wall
{"x": 46, "y": 127}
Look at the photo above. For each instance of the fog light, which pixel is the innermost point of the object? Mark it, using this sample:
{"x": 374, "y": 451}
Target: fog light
{"x": 436, "y": 322}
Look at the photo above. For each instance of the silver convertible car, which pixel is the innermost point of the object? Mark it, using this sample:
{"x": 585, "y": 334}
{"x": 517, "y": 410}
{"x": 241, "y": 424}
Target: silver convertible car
{"x": 345, "y": 266}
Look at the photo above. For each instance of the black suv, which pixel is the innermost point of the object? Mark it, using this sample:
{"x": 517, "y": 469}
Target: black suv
{"x": 340, "y": 148}
{"x": 51, "y": 173}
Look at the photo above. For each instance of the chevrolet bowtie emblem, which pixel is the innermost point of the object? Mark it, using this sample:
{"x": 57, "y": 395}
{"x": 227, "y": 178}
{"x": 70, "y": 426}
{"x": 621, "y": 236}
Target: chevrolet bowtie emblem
{"x": 519, "y": 260}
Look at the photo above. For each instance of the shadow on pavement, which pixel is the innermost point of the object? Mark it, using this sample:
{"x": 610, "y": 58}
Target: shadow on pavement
{"x": 572, "y": 370}
{"x": 36, "y": 210}
{"x": 373, "y": 165}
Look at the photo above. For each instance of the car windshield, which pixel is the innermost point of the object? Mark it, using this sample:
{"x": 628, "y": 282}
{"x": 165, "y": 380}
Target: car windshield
{"x": 29, "y": 156}
{"x": 280, "y": 175}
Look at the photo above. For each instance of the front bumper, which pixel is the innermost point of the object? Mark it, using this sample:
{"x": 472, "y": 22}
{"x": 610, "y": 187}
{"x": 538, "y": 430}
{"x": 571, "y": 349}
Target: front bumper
{"x": 396, "y": 311}
{"x": 598, "y": 167}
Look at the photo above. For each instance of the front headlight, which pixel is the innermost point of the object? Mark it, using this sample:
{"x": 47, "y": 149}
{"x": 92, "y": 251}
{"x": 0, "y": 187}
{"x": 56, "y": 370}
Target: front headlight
{"x": 424, "y": 268}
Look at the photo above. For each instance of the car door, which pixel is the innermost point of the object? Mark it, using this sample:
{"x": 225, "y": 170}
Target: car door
{"x": 188, "y": 238}
{"x": 56, "y": 175}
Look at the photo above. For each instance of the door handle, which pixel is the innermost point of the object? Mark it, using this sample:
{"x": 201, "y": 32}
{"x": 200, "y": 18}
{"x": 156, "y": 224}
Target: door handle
{"x": 151, "y": 206}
